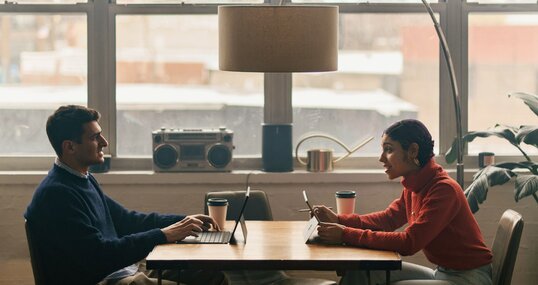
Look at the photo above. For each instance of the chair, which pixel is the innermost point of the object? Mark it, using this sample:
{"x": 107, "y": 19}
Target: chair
{"x": 505, "y": 247}
{"x": 259, "y": 209}
{"x": 35, "y": 256}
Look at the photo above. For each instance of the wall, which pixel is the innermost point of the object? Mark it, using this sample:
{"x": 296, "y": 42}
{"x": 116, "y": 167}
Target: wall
{"x": 285, "y": 199}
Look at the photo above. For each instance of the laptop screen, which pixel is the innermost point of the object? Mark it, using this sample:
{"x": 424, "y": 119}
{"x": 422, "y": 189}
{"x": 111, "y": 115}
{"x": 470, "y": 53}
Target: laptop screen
{"x": 240, "y": 218}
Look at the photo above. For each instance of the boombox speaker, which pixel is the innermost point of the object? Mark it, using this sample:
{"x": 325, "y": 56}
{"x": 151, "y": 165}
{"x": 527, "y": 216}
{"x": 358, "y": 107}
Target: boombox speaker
{"x": 192, "y": 150}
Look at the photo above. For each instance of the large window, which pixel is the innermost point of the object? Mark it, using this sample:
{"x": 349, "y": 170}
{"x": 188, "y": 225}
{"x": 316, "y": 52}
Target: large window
{"x": 388, "y": 70}
{"x": 167, "y": 76}
{"x": 43, "y": 64}
{"x": 503, "y": 59}
{"x": 147, "y": 64}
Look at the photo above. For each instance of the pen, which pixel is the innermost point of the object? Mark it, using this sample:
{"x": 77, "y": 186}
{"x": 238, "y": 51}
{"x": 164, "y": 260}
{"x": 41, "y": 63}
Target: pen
{"x": 308, "y": 210}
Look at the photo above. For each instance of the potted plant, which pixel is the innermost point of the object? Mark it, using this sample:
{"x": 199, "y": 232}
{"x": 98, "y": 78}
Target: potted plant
{"x": 526, "y": 184}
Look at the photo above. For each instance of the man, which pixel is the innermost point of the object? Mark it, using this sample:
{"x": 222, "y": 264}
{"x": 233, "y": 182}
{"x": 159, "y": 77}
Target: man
{"x": 84, "y": 236}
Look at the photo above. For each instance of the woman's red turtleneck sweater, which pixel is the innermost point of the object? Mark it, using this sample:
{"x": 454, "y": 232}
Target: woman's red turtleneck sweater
{"x": 439, "y": 222}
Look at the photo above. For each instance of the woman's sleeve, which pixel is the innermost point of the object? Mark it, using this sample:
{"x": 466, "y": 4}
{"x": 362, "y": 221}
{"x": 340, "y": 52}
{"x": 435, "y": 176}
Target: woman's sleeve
{"x": 438, "y": 209}
{"x": 388, "y": 220}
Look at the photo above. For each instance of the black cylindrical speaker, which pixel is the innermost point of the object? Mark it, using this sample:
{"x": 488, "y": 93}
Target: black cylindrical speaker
{"x": 277, "y": 148}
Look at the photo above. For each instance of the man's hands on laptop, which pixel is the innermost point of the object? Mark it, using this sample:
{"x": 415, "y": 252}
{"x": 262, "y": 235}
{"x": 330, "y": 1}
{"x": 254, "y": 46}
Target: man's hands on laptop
{"x": 189, "y": 226}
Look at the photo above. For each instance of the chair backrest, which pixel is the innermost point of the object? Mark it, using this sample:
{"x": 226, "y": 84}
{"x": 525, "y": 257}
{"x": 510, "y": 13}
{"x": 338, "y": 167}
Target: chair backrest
{"x": 505, "y": 246}
{"x": 257, "y": 208}
{"x": 35, "y": 257}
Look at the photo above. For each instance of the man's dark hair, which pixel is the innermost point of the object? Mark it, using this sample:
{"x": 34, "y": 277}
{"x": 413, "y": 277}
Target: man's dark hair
{"x": 67, "y": 123}
{"x": 411, "y": 131}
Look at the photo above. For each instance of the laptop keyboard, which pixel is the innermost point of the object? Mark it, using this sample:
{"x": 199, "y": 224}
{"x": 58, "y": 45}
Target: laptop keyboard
{"x": 214, "y": 237}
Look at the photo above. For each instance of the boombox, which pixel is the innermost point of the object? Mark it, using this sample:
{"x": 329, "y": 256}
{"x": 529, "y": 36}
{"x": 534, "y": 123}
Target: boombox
{"x": 176, "y": 150}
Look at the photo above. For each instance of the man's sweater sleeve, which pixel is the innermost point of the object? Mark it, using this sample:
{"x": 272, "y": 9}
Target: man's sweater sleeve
{"x": 437, "y": 210}
{"x": 128, "y": 222}
{"x": 390, "y": 219}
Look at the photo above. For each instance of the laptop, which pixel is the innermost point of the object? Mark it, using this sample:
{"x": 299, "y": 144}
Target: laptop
{"x": 309, "y": 233}
{"x": 222, "y": 237}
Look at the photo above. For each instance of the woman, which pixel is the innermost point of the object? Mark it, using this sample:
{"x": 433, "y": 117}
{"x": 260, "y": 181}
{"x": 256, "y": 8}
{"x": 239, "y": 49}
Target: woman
{"x": 432, "y": 204}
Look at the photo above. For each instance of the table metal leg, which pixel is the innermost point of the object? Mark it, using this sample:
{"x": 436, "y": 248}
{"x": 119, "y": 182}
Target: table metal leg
{"x": 387, "y": 277}
{"x": 159, "y": 277}
{"x": 368, "y": 277}
{"x": 178, "y": 276}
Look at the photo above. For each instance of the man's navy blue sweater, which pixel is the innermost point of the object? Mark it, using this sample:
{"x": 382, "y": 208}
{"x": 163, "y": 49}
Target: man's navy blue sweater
{"x": 83, "y": 235}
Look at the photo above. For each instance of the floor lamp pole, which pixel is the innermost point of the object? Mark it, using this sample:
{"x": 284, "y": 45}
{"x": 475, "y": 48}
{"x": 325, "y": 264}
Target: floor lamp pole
{"x": 455, "y": 93}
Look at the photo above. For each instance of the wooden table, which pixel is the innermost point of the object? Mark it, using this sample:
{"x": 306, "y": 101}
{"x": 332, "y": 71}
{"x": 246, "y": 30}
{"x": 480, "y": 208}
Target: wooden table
{"x": 271, "y": 245}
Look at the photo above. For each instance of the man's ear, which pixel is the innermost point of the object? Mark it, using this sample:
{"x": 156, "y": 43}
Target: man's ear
{"x": 68, "y": 147}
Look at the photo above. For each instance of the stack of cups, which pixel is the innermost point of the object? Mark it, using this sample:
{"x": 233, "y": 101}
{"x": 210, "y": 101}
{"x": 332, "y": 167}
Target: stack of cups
{"x": 345, "y": 202}
{"x": 217, "y": 210}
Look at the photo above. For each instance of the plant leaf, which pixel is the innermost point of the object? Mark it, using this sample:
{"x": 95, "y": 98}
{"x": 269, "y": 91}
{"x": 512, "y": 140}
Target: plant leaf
{"x": 526, "y": 185}
{"x": 451, "y": 154}
{"x": 528, "y": 135}
{"x": 477, "y": 193}
{"x": 487, "y": 177}
{"x": 530, "y": 100}
{"x": 529, "y": 165}
{"x": 495, "y": 175}
{"x": 505, "y": 132}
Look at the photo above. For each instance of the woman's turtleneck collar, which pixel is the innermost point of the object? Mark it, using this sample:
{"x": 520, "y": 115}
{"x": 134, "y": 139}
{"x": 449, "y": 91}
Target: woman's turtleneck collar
{"x": 417, "y": 180}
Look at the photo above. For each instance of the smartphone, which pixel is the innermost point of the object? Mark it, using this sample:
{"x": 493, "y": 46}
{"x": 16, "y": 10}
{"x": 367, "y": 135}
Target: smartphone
{"x": 310, "y": 207}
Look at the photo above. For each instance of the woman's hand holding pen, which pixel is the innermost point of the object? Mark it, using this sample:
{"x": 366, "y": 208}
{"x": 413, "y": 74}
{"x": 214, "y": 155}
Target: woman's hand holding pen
{"x": 325, "y": 214}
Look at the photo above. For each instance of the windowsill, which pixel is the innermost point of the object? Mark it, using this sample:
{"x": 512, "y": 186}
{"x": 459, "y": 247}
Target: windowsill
{"x": 31, "y": 170}
{"x": 234, "y": 177}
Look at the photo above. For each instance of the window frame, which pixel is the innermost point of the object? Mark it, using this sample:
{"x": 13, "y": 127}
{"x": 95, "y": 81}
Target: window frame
{"x": 101, "y": 25}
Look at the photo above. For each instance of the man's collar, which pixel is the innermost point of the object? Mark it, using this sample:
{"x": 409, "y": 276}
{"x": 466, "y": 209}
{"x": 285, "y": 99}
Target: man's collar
{"x": 67, "y": 168}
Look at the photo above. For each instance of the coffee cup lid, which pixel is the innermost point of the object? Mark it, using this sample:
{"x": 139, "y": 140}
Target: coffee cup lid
{"x": 345, "y": 194}
{"x": 217, "y": 202}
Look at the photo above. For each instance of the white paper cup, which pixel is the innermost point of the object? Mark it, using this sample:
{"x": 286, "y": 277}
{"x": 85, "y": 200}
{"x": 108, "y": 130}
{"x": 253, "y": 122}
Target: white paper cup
{"x": 217, "y": 210}
{"x": 345, "y": 202}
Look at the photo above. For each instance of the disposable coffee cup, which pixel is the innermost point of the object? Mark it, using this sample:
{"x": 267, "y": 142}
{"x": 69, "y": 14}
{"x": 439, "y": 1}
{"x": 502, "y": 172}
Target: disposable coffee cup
{"x": 217, "y": 210}
{"x": 345, "y": 202}
{"x": 485, "y": 159}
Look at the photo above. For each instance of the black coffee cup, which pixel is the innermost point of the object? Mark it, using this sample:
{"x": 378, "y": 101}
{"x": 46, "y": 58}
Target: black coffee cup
{"x": 217, "y": 202}
{"x": 345, "y": 194}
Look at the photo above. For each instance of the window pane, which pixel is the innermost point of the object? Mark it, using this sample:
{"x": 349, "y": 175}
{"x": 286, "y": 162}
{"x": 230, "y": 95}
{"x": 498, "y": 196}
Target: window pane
{"x": 167, "y": 76}
{"x": 43, "y": 64}
{"x": 502, "y": 60}
{"x": 47, "y": 1}
{"x": 363, "y": 1}
{"x": 502, "y": 1}
{"x": 190, "y": 1}
{"x": 388, "y": 70}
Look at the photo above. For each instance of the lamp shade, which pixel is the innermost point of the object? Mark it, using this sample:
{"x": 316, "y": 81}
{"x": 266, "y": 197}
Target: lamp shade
{"x": 278, "y": 38}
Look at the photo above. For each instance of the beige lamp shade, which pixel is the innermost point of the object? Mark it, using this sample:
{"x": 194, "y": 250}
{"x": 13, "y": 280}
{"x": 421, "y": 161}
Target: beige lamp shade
{"x": 278, "y": 38}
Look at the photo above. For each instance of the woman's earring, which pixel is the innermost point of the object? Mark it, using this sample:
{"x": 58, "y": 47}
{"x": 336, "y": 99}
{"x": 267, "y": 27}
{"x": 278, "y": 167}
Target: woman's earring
{"x": 417, "y": 163}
